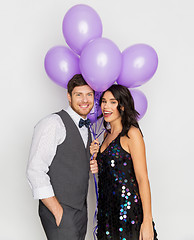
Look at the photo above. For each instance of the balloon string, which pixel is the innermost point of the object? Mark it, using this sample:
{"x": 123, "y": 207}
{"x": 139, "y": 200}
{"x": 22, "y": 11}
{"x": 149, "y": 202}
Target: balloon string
{"x": 100, "y": 124}
{"x": 96, "y": 112}
{"x": 95, "y": 127}
{"x": 94, "y": 134}
{"x": 100, "y": 133}
{"x": 96, "y": 189}
{"x": 93, "y": 131}
{"x": 94, "y": 232}
{"x": 96, "y": 210}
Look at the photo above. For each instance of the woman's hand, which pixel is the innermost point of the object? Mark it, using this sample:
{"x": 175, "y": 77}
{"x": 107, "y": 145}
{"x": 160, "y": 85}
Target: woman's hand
{"x": 146, "y": 231}
{"x": 93, "y": 166}
{"x": 94, "y": 148}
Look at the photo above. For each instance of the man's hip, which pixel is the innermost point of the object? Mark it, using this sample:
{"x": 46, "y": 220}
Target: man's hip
{"x": 73, "y": 224}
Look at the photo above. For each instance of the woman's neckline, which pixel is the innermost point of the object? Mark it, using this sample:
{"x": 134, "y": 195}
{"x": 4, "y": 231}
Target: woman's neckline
{"x": 109, "y": 143}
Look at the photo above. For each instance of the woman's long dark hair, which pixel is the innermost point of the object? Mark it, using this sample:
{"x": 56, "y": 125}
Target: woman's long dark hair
{"x": 125, "y": 107}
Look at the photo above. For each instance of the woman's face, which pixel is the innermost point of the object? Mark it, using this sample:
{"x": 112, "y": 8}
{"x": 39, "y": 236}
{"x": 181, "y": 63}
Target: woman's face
{"x": 109, "y": 107}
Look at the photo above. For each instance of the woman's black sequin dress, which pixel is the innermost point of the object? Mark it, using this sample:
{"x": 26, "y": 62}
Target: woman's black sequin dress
{"x": 120, "y": 211}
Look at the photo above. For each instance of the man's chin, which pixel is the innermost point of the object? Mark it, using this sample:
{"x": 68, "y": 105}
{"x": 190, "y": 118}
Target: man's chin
{"x": 82, "y": 111}
{"x": 86, "y": 111}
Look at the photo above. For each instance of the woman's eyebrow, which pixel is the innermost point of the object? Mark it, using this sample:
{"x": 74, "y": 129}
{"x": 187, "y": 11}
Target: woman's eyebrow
{"x": 109, "y": 99}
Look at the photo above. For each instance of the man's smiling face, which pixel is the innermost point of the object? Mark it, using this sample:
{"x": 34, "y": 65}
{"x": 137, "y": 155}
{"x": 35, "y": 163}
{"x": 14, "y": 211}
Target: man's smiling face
{"x": 81, "y": 100}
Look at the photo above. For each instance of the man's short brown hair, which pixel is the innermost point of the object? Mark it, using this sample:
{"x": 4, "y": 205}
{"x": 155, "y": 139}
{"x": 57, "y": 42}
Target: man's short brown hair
{"x": 77, "y": 80}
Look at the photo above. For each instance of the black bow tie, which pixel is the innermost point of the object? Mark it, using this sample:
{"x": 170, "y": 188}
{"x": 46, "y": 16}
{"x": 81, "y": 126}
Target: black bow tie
{"x": 84, "y": 122}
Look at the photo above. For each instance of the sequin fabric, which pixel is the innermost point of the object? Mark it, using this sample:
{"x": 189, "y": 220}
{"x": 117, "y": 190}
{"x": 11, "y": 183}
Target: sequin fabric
{"x": 119, "y": 206}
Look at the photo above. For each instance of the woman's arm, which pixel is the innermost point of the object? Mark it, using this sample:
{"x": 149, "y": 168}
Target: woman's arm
{"x": 137, "y": 149}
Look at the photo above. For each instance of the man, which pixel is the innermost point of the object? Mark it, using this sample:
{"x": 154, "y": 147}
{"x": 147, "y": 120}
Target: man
{"x": 58, "y": 167}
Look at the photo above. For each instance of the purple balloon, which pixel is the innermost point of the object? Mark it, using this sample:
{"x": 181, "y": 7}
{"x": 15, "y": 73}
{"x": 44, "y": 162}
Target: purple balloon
{"x": 61, "y": 64}
{"x": 140, "y": 62}
{"x": 96, "y": 110}
{"x": 80, "y": 25}
{"x": 140, "y": 102}
{"x": 100, "y": 63}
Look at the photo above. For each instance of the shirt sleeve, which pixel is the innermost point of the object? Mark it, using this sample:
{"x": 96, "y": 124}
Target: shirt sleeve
{"x": 48, "y": 134}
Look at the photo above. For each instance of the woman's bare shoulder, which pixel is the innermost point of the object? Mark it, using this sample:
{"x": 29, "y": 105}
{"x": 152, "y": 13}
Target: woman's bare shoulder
{"x": 134, "y": 133}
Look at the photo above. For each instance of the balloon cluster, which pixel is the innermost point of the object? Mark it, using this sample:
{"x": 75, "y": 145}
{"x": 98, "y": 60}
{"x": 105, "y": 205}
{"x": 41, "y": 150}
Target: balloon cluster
{"x": 98, "y": 59}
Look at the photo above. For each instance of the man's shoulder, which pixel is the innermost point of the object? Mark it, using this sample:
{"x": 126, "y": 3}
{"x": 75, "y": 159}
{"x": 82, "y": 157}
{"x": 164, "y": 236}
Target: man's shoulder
{"x": 50, "y": 120}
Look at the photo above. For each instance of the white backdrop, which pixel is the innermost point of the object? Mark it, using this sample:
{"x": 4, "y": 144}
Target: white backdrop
{"x": 28, "y": 29}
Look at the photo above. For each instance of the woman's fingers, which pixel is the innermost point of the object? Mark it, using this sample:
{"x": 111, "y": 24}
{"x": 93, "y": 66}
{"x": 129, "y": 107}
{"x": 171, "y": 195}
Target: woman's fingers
{"x": 95, "y": 142}
{"x": 93, "y": 166}
{"x": 94, "y": 147}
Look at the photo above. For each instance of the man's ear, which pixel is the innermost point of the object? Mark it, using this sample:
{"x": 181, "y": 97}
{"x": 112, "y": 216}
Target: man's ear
{"x": 69, "y": 97}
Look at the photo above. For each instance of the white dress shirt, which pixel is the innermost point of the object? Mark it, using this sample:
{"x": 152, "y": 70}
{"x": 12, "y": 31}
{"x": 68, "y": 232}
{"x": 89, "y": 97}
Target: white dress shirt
{"x": 48, "y": 134}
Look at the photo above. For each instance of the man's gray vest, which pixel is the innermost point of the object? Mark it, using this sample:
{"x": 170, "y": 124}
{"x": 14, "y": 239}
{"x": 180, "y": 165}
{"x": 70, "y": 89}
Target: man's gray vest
{"x": 69, "y": 171}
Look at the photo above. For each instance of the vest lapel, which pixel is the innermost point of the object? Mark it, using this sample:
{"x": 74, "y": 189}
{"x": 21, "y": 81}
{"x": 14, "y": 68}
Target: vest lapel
{"x": 76, "y": 129}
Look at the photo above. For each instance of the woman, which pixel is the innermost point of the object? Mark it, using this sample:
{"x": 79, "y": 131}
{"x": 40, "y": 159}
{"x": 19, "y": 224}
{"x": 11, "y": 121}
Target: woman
{"x": 124, "y": 206}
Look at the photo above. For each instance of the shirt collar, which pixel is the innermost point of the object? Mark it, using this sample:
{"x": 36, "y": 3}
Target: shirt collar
{"x": 75, "y": 116}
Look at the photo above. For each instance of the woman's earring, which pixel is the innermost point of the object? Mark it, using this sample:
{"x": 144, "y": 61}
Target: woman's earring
{"x": 122, "y": 108}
